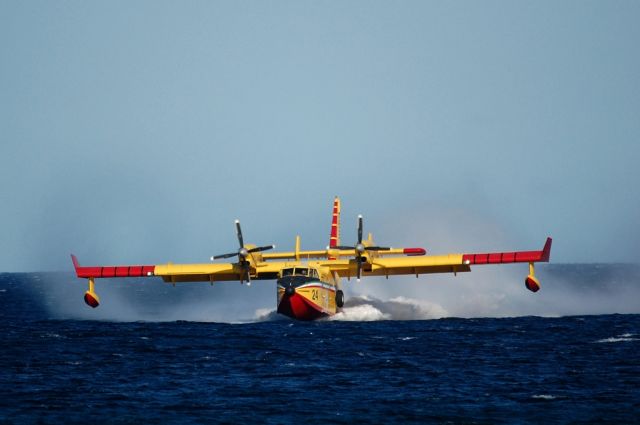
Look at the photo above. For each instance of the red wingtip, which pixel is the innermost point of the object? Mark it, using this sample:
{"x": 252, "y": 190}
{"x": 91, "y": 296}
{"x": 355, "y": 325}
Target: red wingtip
{"x": 75, "y": 262}
{"x": 546, "y": 251}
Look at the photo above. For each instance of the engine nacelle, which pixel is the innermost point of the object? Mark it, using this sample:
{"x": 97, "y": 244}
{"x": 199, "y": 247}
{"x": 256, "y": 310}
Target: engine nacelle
{"x": 532, "y": 283}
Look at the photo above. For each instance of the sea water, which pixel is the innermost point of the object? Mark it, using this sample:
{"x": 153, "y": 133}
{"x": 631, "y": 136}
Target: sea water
{"x": 373, "y": 366}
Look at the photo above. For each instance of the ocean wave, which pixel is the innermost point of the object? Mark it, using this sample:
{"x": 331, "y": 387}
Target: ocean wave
{"x": 543, "y": 397}
{"x": 618, "y": 338}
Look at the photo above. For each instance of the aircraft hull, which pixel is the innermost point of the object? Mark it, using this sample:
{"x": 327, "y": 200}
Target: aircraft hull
{"x": 298, "y": 307}
{"x": 306, "y": 299}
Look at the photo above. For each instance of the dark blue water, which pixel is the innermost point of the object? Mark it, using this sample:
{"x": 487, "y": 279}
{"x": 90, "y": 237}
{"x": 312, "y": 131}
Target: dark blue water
{"x": 578, "y": 369}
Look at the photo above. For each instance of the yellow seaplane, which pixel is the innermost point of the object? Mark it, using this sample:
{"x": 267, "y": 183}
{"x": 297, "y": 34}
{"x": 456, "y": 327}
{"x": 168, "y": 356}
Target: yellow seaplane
{"x": 309, "y": 282}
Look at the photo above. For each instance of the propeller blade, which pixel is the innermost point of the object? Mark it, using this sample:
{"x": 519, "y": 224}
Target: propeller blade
{"x": 248, "y": 272}
{"x": 343, "y": 247}
{"x": 242, "y": 253}
{"x": 359, "y": 229}
{"x": 239, "y": 231}
{"x": 218, "y": 257}
{"x": 359, "y": 267}
{"x": 261, "y": 248}
{"x": 377, "y": 248}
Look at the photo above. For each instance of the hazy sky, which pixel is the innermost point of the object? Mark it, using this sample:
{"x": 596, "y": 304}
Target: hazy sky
{"x": 138, "y": 131}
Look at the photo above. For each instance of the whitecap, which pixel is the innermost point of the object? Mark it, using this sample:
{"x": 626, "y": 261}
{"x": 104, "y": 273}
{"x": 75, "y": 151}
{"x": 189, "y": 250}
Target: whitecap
{"x": 543, "y": 397}
{"x": 616, "y": 339}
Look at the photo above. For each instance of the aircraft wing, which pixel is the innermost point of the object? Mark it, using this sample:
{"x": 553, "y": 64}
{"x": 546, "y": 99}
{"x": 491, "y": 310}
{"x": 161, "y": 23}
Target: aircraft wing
{"x": 173, "y": 273}
{"x": 377, "y": 266}
{"x": 448, "y": 263}
{"x": 414, "y": 263}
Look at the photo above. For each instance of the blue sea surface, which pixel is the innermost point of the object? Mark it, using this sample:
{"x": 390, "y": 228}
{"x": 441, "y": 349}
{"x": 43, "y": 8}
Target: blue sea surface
{"x": 576, "y": 369}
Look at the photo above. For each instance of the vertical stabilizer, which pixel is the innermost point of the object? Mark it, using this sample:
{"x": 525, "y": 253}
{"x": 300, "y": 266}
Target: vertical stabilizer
{"x": 334, "y": 239}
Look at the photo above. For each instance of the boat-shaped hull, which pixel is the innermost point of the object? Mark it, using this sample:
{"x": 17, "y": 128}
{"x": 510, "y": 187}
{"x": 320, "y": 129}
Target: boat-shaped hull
{"x": 306, "y": 298}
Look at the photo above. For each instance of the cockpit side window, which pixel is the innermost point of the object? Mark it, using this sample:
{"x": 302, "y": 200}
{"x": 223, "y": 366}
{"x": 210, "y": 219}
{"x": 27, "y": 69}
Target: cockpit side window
{"x": 287, "y": 272}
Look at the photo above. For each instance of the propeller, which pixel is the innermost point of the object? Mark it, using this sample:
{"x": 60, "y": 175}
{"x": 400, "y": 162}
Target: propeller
{"x": 242, "y": 254}
{"x": 360, "y": 248}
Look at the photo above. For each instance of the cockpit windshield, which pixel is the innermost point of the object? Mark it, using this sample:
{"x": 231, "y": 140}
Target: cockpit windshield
{"x": 300, "y": 271}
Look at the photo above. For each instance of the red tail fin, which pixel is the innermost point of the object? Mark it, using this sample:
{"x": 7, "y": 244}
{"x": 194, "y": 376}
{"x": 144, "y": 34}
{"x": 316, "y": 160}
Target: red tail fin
{"x": 334, "y": 239}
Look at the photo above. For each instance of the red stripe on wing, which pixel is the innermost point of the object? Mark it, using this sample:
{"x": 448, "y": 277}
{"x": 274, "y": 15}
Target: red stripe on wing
{"x": 111, "y": 271}
{"x": 510, "y": 257}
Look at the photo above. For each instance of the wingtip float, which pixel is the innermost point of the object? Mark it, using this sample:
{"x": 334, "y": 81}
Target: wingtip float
{"x": 309, "y": 283}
